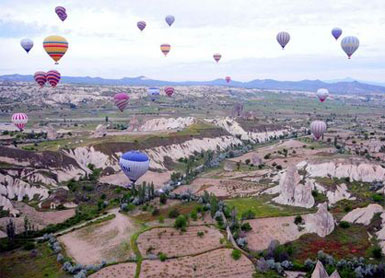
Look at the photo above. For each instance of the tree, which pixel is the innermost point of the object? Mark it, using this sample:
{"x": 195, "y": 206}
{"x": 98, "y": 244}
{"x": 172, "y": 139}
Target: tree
{"x": 247, "y": 161}
{"x": 238, "y": 165}
{"x": 11, "y": 231}
{"x": 236, "y": 254}
{"x": 180, "y": 222}
{"x": 106, "y": 119}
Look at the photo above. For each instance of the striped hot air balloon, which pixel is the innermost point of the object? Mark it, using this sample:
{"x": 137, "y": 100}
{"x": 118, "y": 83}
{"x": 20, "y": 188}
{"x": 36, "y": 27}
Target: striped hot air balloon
{"x": 165, "y": 48}
{"x": 169, "y": 91}
{"x": 27, "y": 44}
{"x": 350, "y": 45}
{"x": 121, "y": 101}
{"x": 134, "y": 164}
{"x": 318, "y": 129}
{"x": 283, "y": 38}
{"x": 217, "y": 57}
{"x": 228, "y": 79}
{"x": 56, "y": 47}
{"x": 53, "y": 77}
{"x": 336, "y": 32}
{"x": 40, "y": 78}
{"x": 20, "y": 120}
{"x": 61, "y": 12}
{"x": 141, "y": 25}
{"x": 322, "y": 94}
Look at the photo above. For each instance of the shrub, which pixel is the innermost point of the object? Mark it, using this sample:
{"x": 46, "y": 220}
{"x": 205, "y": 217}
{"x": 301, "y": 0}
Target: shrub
{"x": 249, "y": 214}
{"x": 267, "y": 156}
{"x": 161, "y": 219}
{"x": 344, "y": 224}
{"x": 194, "y": 215}
{"x": 163, "y": 198}
{"x": 246, "y": 227}
{"x": 180, "y": 222}
{"x": 378, "y": 198}
{"x": 200, "y": 234}
{"x": 236, "y": 254}
{"x": 298, "y": 220}
{"x": 174, "y": 213}
{"x": 162, "y": 257}
{"x": 377, "y": 252}
{"x": 155, "y": 212}
{"x": 29, "y": 245}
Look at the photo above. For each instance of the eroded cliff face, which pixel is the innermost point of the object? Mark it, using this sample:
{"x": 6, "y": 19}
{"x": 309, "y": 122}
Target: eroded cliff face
{"x": 167, "y": 124}
{"x": 322, "y": 222}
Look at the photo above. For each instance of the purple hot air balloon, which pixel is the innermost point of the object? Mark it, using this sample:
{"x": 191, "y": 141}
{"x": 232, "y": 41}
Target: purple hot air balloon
{"x": 121, "y": 101}
{"x": 336, "y": 32}
{"x": 61, "y": 12}
{"x": 141, "y": 25}
{"x": 283, "y": 38}
{"x": 170, "y": 20}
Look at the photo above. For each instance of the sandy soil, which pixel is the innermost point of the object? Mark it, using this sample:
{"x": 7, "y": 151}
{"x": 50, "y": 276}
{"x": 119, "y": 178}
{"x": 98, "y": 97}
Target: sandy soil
{"x": 109, "y": 241}
{"x": 265, "y": 230}
{"x": 175, "y": 243}
{"x": 214, "y": 264}
{"x": 126, "y": 270}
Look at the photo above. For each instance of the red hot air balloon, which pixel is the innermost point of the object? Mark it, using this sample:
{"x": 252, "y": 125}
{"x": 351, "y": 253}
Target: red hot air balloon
{"x": 217, "y": 57}
{"x": 121, "y": 101}
{"x": 169, "y": 91}
{"x": 40, "y": 78}
{"x": 53, "y": 77}
{"x": 141, "y": 25}
{"x": 228, "y": 79}
{"x": 20, "y": 120}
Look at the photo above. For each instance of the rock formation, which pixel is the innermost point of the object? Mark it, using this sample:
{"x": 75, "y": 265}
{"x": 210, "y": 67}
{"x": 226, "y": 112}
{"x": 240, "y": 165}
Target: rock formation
{"x": 321, "y": 222}
{"x": 341, "y": 193}
{"x": 167, "y": 124}
{"x": 319, "y": 271}
{"x": 363, "y": 215}
{"x": 100, "y": 131}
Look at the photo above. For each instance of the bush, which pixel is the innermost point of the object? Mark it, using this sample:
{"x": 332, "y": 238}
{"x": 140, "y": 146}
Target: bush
{"x": 29, "y": 245}
{"x": 344, "y": 225}
{"x": 155, "y": 212}
{"x": 162, "y": 257}
{"x": 246, "y": 227}
{"x": 249, "y": 214}
{"x": 377, "y": 252}
{"x": 174, "y": 213}
{"x": 267, "y": 156}
{"x": 378, "y": 198}
{"x": 236, "y": 254}
{"x": 180, "y": 222}
{"x": 161, "y": 219}
{"x": 298, "y": 220}
{"x": 194, "y": 215}
{"x": 163, "y": 198}
{"x": 200, "y": 234}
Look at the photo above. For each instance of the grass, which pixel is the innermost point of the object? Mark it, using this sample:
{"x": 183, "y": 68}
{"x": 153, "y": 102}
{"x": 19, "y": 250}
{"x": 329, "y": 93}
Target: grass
{"x": 20, "y": 264}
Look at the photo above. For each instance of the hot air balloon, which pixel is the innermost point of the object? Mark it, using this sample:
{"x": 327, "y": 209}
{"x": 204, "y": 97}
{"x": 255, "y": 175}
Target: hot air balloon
{"x": 61, "y": 12}
{"x": 350, "y": 45}
{"x": 121, "y": 101}
{"x": 56, "y": 47}
{"x": 318, "y": 128}
{"x": 336, "y": 32}
{"x": 141, "y": 25}
{"x": 165, "y": 48}
{"x": 40, "y": 78}
{"x": 228, "y": 79}
{"x": 170, "y": 20}
{"x": 217, "y": 57}
{"x": 27, "y": 44}
{"x": 169, "y": 91}
{"x": 153, "y": 93}
{"x": 283, "y": 38}
{"x": 134, "y": 164}
{"x": 53, "y": 77}
{"x": 20, "y": 120}
{"x": 322, "y": 94}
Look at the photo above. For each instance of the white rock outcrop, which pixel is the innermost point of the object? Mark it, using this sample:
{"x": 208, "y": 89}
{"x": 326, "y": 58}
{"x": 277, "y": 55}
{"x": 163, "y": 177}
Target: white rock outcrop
{"x": 341, "y": 193}
{"x": 167, "y": 124}
{"x": 381, "y": 233}
{"x": 363, "y": 215}
{"x": 322, "y": 222}
{"x": 319, "y": 271}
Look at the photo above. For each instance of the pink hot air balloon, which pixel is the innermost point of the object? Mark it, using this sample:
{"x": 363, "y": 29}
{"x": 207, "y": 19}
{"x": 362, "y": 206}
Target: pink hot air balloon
{"x": 228, "y": 79}
{"x": 121, "y": 101}
{"x": 40, "y": 78}
{"x": 53, "y": 77}
{"x": 61, "y": 12}
{"x": 141, "y": 25}
{"x": 217, "y": 57}
{"x": 318, "y": 129}
{"x": 322, "y": 94}
{"x": 20, "y": 120}
{"x": 169, "y": 91}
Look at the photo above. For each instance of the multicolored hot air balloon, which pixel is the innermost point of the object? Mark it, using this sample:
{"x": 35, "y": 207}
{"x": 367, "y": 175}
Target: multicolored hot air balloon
{"x": 322, "y": 94}
{"x": 283, "y": 38}
{"x": 141, "y": 25}
{"x": 170, "y": 19}
{"x": 53, "y": 77}
{"x": 20, "y": 120}
{"x": 336, "y": 32}
{"x": 165, "y": 48}
{"x": 134, "y": 164}
{"x": 153, "y": 93}
{"x": 228, "y": 79}
{"x": 61, "y": 12}
{"x": 217, "y": 57}
{"x": 169, "y": 91}
{"x": 56, "y": 47}
{"x": 350, "y": 45}
{"x": 27, "y": 44}
{"x": 40, "y": 78}
{"x": 121, "y": 101}
{"x": 318, "y": 129}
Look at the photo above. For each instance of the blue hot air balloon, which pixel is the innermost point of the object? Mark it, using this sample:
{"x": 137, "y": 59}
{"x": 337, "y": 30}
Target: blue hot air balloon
{"x": 170, "y": 20}
{"x": 153, "y": 93}
{"x": 350, "y": 45}
{"x": 336, "y": 32}
{"x": 27, "y": 44}
{"x": 134, "y": 164}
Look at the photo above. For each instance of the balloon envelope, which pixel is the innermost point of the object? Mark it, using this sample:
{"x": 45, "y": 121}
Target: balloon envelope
{"x": 322, "y": 94}
{"x": 350, "y": 45}
{"x": 217, "y": 57}
{"x": 40, "y": 78}
{"x": 165, "y": 48}
{"x": 121, "y": 101}
{"x": 27, "y": 44}
{"x": 153, "y": 93}
{"x": 20, "y": 120}
{"x": 318, "y": 128}
{"x": 134, "y": 164}
{"x": 169, "y": 91}
{"x": 336, "y": 32}
{"x": 283, "y": 38}
{"x": 53, "y": 77}
{"x": 141, "y": 25}
{"x": 170, "y": 20}
{"x": 56, "y": 47}
{"x": 228, "y": 79}
{"x": 61, "y": 12}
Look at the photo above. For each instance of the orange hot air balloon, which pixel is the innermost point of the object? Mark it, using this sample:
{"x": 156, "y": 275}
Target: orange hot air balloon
{"x": 56, "y": 47}
{"x": 165, "y": 48}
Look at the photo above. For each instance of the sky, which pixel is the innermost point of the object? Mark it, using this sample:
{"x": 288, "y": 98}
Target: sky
{"x": 104, "y": 40}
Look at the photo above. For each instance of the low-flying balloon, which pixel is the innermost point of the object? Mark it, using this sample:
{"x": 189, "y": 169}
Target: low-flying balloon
{"x": 56, "y": 47}
{"x": 336, "y": 32}
{"x": 350, "y": 45}
{"x": 165, "y": 48}
{"x": 153, "y": 93}
{"x": 134, "y": 164}
{"x": 121, "y": 101}
{"x": 61, "y": 12}
{"x": 53, "y": 77}
{"x": 27, "y": 44}
{"x": 40, "y": 78}
{"x": 20, "y": 120}
{"x": 322, "y": 94}
{"x": 283, "y": 38}
{"x": 170, "y": 20}
{"x": 141, "y": 25}
{"x": 217, "y": 57}
{"x": 169, "y": 91}
{"x": 318, "y": 128}
{"x": 228, "y": 79}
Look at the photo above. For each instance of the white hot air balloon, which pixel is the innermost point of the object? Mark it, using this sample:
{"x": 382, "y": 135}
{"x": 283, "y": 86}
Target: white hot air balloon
{"x": 27, "y": 44}
{"x": 322, "y": 94}
{"x": 350, "y": 45}
{"x": 134, "y": 164}
{"x": 318, "y": 129}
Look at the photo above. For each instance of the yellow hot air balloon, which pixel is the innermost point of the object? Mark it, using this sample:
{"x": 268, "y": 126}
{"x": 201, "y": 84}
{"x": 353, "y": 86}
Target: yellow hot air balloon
{"x": 165, "y": 48}
{"x": 56, "y": 47}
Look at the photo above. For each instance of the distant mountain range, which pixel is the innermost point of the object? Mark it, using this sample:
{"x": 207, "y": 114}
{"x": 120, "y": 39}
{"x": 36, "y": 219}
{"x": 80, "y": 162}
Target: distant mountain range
{"x": 344, "y": 86}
